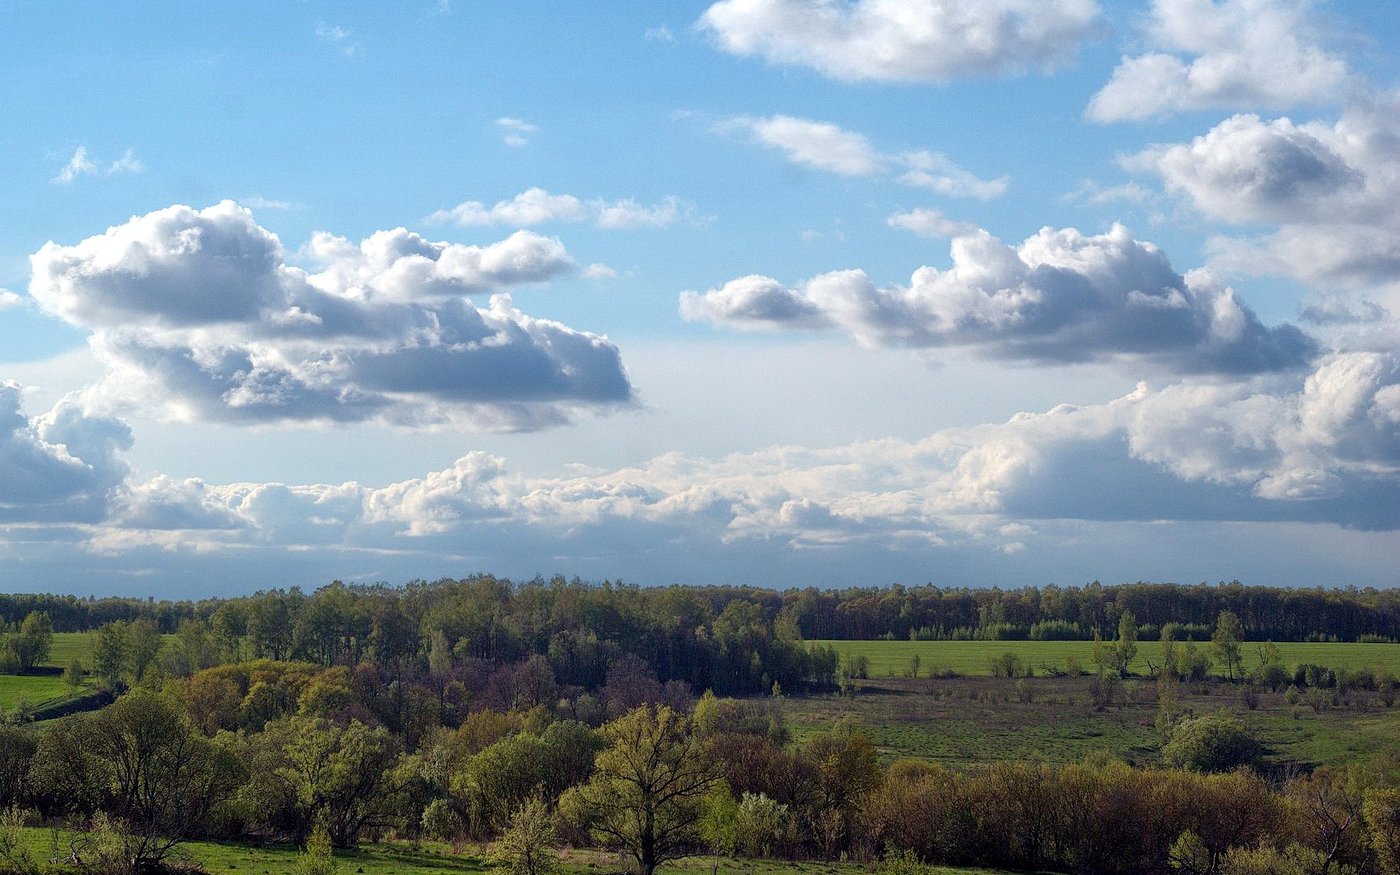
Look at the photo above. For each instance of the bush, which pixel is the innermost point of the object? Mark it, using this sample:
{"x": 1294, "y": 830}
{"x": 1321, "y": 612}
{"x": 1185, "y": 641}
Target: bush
{"x": 1212, "y": 743}
{"x": 1249, "y": 695}
{"x": 1008, "y": 665}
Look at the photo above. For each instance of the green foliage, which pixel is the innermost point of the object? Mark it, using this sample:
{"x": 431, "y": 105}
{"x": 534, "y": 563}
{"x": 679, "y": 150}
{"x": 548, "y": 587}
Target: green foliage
{"x": 15, "y": 856}
{"x": 528, "y": 845}
{"x": 646, "y": 790}
{"x": 1382, "y": 812}
{"x": 762, "y": 825}
{"x": 32, "y": 643}
{"x": 1211, "y": 743}
{"x": 1229, "y": 633}
{"x": 318, "y": 858}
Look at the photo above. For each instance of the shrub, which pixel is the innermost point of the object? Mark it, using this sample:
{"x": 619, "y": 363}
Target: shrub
{"x": 1249, "y": 695}
{"x": 1008, "y": 665}
{"x": 762, "y": 826}
{"x": 1385, "y": 685}
{"x": 1211, "y": 743}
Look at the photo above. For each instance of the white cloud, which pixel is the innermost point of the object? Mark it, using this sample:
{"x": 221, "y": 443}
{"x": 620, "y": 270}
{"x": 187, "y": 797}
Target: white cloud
{"x": 903, "y": 40}
{"x": 822, "y": 145}
{"x": 599, "y": 271}
{"x": 515, "y": 132}
{"x": 659, "y": 34}
{"x": 258, "y": 202}
{"x": 536, "y": 206}
{"x": 829, "y": 147}
{"x": 82, "y": 164}
{"x": 197, "y": 314}
{"x": 1059, "y": 296}
{"x": 1332, "y": 190}
{"x": 936, "y": 172}
{"x": 58, "y": 467}
{"x": 1231, "y": 54}
{"x": 930, "y": 223}
{"x": 337, "y": 36}
{"x": 10, "y": 300}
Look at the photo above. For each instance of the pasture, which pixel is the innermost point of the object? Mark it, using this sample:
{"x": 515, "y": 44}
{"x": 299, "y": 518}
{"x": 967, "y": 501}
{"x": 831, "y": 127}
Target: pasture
{"x": 971, "y": 720}
{"x": 973, "y": 658}
{"x": 37, "y": 689}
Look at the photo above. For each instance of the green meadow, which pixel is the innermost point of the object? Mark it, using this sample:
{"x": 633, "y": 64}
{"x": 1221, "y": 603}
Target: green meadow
{"x": 973, "y": 658}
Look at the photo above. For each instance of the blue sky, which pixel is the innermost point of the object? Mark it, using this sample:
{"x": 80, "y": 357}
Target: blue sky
{"x": 758, "y": 291}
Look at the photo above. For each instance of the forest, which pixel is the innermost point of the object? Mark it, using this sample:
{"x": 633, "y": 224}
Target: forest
{"x": 658, "y": 723}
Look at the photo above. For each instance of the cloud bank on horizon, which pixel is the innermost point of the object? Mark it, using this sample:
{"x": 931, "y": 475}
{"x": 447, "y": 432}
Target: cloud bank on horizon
{"x": 1214, "y": 285}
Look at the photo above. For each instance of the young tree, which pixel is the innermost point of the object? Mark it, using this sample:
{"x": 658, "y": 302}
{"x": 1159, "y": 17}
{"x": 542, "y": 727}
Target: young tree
{"x": 1229, "y": 632}
{"x": 33, "y": 641}
{"x": 646, "y": 791}
{"x": 109, "y": 653}
{"x": 527, "y": 847}
{"x": 1126, "y": 647}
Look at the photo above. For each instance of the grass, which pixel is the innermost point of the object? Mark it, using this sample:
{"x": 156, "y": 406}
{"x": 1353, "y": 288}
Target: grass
{"x": 38, "y": 689}
{"x": 963, "y": 721}
{"x": 973, "y": 658}
{"x": 67, "y": 645}
{"x": 434, "y": 858}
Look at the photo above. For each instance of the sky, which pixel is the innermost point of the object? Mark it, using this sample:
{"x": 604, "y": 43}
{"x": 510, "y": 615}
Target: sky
{"x": 764, "y": 292}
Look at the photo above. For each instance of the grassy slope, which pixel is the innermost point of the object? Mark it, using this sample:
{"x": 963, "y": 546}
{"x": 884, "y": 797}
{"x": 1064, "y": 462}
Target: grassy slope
{"x": 973, "y": 657}
{"x": 38, "y": 689}
{"x": 431, "y": 858}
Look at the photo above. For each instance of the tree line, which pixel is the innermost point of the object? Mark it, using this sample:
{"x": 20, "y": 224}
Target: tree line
{"x": 896, "y": 611}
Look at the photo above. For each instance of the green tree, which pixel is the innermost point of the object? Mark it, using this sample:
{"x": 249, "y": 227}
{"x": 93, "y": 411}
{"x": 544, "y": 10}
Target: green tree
{"x": 1229, "y": 632}
{"x": 143, "y": 643}
{"x": 339, "y": 777}
{"x": 140, "y": 761}
{"x": 109, "y": 653}
{"x": 1125, "y": 649}
{"x": 33, "y": 641}
{"x": 73, "y": 674}
{"x": 647, "y": 786}
{"x": 527, "y": 847}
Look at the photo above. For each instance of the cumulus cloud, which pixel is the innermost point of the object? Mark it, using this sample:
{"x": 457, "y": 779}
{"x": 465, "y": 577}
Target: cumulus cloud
{"x": 1332, "y": 190}
{"x": 58, "y": 467}
{"x": 829, "y": 147}
{"x": 9, "y": 300}
{"x": 1314, "y": 447}
{"x": 903, "y": 40}
{"x": 535, "y": 206}
{"x": 199, "y": 313}
{"x": 1059, "y": 296}
{"x": 1222, "y": 54}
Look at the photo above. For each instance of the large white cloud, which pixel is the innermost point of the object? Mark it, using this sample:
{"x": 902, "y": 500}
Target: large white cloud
{"x": 903, "y": 40}
{"x": 1332, "y": 190}
{"x": 1222, "y": 54}
{"x": 1059, "y": 296}
{"x": 198, "y": 312}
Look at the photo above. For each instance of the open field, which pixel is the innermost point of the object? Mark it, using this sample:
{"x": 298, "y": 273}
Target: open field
{"x": 38, "y": 689}
{"x": 961, "y": 721}
{"x": 67, "y": 645}
{"x": 433, "y": 858}
{"x": 972, "y": 658}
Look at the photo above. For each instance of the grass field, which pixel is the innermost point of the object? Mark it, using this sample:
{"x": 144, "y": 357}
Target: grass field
{"x": 38, "y": 689}
{"x": 432, "y": 858}
{"x": 972, "y": 658}
{"x": 968, "y": 720}
{"x": 67, "y": 645}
